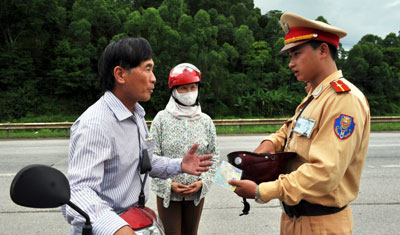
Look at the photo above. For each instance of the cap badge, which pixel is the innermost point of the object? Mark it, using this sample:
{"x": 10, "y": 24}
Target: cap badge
{"x": 286, "y": 27}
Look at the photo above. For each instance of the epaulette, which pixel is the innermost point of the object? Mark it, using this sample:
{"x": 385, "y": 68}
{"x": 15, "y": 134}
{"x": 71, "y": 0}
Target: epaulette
{"x": 339, "y": 86}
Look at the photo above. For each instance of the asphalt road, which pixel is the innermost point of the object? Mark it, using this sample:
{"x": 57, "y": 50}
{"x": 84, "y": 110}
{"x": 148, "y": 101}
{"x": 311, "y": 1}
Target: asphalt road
{"x": 375, "y": 211}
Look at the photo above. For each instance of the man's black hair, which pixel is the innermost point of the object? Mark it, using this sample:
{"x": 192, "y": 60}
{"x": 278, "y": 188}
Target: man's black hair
{"x": 127, "y": 53}
{"x": 316, "y": 43}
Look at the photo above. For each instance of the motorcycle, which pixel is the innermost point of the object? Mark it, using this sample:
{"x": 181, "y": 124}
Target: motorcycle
{"x": 41, "y": 186}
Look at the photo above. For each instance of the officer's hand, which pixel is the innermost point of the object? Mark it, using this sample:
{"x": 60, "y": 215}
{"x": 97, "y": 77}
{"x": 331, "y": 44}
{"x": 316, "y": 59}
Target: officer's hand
{"x": 244, "y": 188}
{"x": 265, "y": 147}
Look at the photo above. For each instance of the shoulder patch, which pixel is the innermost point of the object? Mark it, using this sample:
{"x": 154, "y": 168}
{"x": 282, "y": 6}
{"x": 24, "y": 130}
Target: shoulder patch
{"x": 344, "y": 126}
{"x": 339, "y": 86}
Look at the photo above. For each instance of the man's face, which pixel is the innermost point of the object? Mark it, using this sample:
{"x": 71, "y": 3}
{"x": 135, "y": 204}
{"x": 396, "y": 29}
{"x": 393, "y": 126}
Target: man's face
{"x": 304, "y": 62}
{"x": 140, "y": 82}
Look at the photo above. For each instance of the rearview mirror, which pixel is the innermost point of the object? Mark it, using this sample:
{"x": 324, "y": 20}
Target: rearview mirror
{"x": 40, "y": 186}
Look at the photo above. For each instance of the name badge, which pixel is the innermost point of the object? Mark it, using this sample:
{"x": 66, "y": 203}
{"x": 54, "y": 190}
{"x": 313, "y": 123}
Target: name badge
{"x": 304, "y": 126}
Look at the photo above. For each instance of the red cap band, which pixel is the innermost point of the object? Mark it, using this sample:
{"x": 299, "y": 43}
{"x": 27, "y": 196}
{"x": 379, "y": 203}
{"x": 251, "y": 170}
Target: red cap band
{"x": 300, "y": 33}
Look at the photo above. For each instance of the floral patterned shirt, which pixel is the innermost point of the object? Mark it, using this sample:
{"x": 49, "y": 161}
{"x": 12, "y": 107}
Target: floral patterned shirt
{"x": 173, "y": 137}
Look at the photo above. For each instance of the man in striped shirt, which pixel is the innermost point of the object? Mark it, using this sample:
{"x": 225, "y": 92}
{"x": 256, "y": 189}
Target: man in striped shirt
{"x": 109, "y": 139}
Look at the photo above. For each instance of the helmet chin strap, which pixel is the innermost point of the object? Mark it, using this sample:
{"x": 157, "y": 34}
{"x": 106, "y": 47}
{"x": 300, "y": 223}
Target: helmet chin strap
{"x": 246, "y": 207}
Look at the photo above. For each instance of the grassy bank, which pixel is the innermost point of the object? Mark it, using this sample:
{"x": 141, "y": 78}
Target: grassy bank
{"x": 53, "y": 133}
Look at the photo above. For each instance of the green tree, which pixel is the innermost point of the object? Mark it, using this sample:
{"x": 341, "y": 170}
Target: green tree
{"x": 49, "y": 51}
{"x": 240, "y": 12}
{"x": 26, "y": 50}
{"x": 243, "y": 39}
{"x": 171, "y": 11}
{"x": 225, "y": 30}
{"x": 367, "y": 68}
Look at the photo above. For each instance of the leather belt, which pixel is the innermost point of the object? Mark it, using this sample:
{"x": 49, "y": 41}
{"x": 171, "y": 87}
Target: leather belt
{"x": 305, "y": 208}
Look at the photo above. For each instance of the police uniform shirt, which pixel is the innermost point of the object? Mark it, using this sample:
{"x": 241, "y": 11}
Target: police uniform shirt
{"x": 331, "y": 138}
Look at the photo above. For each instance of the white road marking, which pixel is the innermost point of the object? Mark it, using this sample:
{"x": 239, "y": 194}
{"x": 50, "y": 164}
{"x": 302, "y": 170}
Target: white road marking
{"x": 7, "y": 175}
{"x": 384, "y": 145}
{"x": 391, "y": 166}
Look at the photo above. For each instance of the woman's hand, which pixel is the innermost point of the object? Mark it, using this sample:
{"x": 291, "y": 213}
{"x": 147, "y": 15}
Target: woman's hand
{"x": 179, "y": 188}
{"x": 193, "y": 188}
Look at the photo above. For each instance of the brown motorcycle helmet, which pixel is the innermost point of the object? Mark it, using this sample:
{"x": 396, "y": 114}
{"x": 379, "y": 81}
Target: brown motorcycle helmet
{"x": 260, "y": 167}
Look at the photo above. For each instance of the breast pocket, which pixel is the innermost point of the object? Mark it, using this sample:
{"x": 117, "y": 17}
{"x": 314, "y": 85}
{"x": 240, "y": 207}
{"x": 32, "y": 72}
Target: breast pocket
{"x": 304, "y": 126}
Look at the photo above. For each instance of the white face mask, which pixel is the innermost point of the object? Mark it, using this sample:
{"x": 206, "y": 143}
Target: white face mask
{"x": 188, "y": 98}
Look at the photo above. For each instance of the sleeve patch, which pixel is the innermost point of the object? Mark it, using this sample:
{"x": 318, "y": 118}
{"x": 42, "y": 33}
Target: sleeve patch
{"x": 344, "y": 126}
{"x": 339, "y": 86}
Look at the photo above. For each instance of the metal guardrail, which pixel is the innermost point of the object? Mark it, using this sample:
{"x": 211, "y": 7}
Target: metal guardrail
{"x": 248, "y": 122}
{"x": 218, "y": 122}
{"x": 35, "y": 126}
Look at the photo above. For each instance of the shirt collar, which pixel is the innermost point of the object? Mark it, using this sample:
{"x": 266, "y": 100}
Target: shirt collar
{"x": 325, "y": 83}
{"x": 119, "y": 109}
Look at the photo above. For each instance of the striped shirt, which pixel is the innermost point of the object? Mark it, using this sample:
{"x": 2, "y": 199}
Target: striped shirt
{"x": 103, "y": 162}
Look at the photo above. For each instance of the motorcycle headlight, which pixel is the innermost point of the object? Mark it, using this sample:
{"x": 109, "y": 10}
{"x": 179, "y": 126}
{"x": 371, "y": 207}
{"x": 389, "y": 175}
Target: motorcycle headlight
{"x": 151, "y": 230}
{"x": 155, "y": 229}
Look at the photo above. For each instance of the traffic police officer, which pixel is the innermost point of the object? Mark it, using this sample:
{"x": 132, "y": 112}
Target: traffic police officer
{"x": 329, "y": 132}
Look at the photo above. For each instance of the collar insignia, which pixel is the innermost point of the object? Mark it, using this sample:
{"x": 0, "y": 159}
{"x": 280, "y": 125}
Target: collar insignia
{"x": 339, "y": 86}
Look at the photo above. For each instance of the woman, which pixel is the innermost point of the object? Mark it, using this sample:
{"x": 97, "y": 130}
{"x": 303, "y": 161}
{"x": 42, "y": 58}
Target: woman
{"x": 180, "y": 199}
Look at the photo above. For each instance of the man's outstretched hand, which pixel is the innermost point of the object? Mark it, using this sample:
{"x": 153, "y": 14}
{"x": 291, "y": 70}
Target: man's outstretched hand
{"x": 194, "y": 164}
